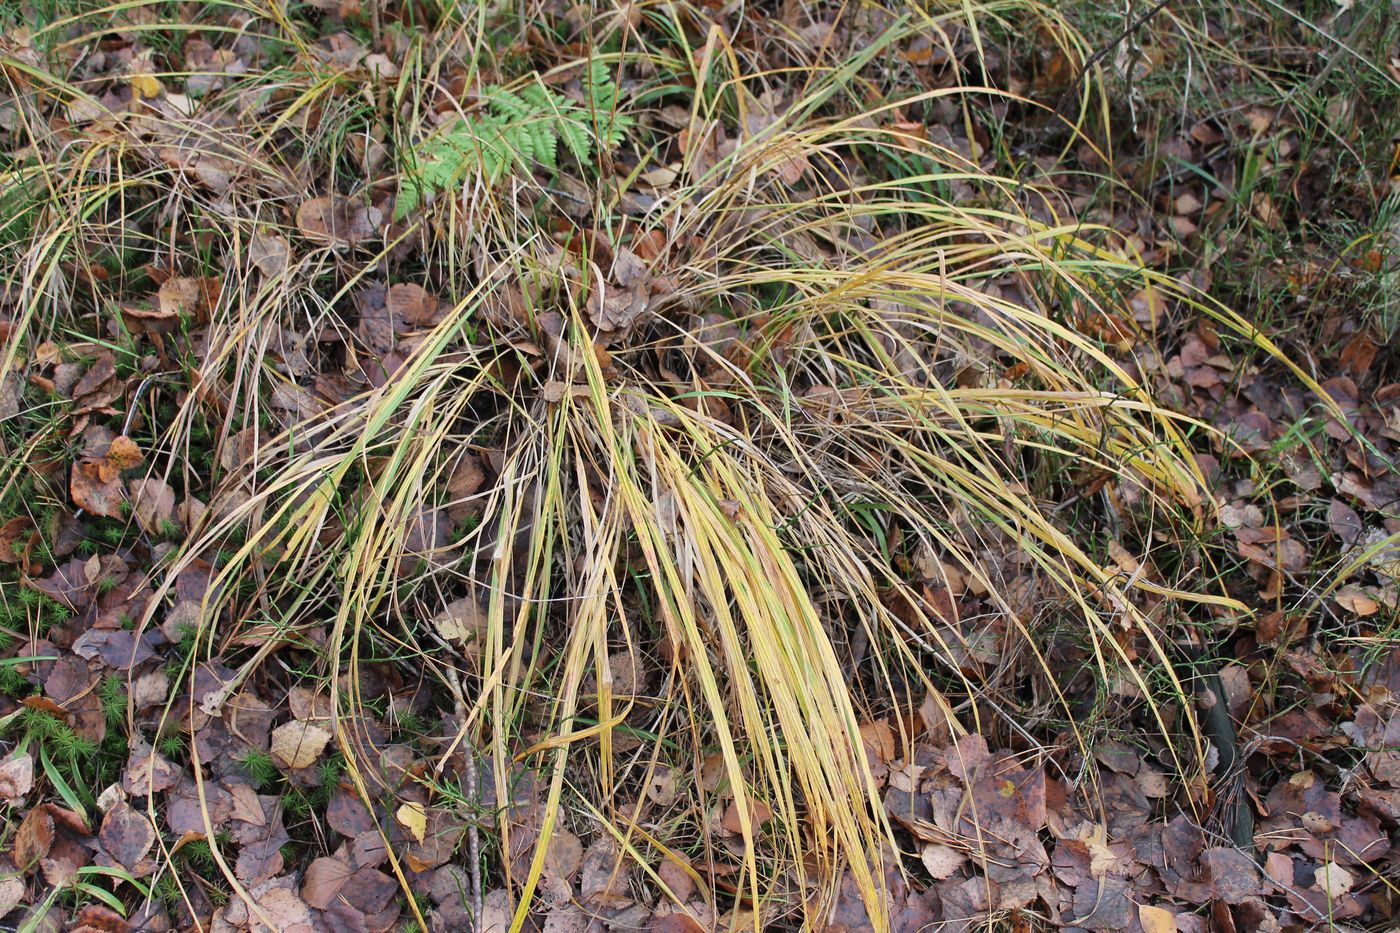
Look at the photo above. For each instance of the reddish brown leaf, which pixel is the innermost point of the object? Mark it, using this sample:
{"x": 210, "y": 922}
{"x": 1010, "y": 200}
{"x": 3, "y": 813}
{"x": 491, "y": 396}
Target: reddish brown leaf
{"x": 16, "y": 537}
{"x": 33, "y": 838}
{"x": 127, "y": 835}
{"x": 323, "y": 880}
{"x": 94, "y": 494}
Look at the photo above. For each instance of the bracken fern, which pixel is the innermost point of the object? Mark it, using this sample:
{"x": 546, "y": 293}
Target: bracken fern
{"x": 518, "y": 131}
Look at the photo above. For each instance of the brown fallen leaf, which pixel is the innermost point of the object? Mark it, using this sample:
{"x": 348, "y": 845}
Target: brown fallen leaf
{"x": 153, "y": 504}
{"x": 34, "y": 838}
{"x": 127, "y": 835}
{"x": 148, "y": 771}
{"x": 269, "y": 252}
{"x": 323, "y": 880}
{"x": 92, "y": 493}
{"x": 675, "y": 872}
{"x": 413, "y": 304}
{"x": 759, "y": 813}
{"x": 338, "y": 220}
{"x": 605, "y": 877}
{"x": 16, "y": 536}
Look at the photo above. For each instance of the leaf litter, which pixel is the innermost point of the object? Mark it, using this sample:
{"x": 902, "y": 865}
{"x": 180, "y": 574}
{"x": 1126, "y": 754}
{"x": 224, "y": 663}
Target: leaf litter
{"x": 118, "y": 677}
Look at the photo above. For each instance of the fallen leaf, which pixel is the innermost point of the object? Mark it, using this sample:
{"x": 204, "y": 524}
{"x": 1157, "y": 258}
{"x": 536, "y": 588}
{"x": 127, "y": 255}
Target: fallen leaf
{"x": 269, "y": 252}
{"x": 127, "y": 835}
{"x": 675, "y": 872}
{"x": 1333, "y": 880}
{"x": 759, "y": 813}
{"x": 1156, "y": 919}
{"x": 339, "y": 220}
{"x": 152, "y": 504}
{"x": 193, "y": 297}
{"x": 605, "y": 877}
{"x": 323, "y": 880}
{"x": 941, "y": 861}
{"x": 11, "y": 891}
{"x": 34, "y": 838}
{"x": 1356, "y": 600}
{"x": 661, "y": 789}
{"x": 92, "y": 493}
{"x": 412, "y": 303}
{"x": 298, "y": 744}
{"x": 15, "y": 536}
{"x": 462, "y": 622}
{"x": 414, "y": 818}
{"x": 148, "y": 771}
{"x": 16, "y": 777}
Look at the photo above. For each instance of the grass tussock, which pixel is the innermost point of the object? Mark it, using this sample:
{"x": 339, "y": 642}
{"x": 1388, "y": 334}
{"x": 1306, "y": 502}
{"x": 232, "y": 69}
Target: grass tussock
{"x": 702, "y": 419}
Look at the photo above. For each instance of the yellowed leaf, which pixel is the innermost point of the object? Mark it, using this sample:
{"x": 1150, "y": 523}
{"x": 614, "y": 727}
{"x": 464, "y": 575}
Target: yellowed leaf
{"x": 1156, "y": 919}
{"x": 144, "y": 86}
{"x": 298, "y": 744}
{"x": 414, "y": 818}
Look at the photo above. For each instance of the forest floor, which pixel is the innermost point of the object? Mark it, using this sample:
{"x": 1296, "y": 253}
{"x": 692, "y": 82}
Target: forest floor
{"x": 699, "y": 465}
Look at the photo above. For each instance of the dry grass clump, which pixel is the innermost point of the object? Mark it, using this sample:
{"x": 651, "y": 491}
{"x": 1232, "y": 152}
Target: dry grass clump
{"x": 705, "y": 431}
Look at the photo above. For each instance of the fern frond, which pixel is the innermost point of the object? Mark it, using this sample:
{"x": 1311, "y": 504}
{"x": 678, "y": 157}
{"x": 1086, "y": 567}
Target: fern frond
{"x": 517, "y": 131}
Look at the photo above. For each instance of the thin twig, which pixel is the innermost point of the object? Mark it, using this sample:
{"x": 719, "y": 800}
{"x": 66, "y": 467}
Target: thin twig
{"x": 459, "y": 702}
{"x": 1103, "y": 52}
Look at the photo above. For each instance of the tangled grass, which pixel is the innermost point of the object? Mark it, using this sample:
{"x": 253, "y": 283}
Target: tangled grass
{"x": 719, "y": 422}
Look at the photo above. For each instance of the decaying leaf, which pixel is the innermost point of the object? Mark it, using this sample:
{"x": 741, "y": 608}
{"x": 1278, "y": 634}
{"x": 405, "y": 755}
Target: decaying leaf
{"x": 16, "y": 776}
{"x": 337, "y": 220}
{"x": 298, "y": 744}
{"x": 127, "y": 835}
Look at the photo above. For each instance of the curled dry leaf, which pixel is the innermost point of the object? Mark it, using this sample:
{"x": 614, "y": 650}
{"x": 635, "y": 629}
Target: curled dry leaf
{"x": 298, "y": 744}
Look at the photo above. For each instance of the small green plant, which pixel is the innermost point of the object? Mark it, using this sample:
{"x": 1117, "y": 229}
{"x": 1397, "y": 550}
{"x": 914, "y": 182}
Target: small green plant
{"x": 112, "y": 692}
{"x": 517, "y": 131}
{"x": 260, "y": 768}
{"x": 172, "y": 745}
